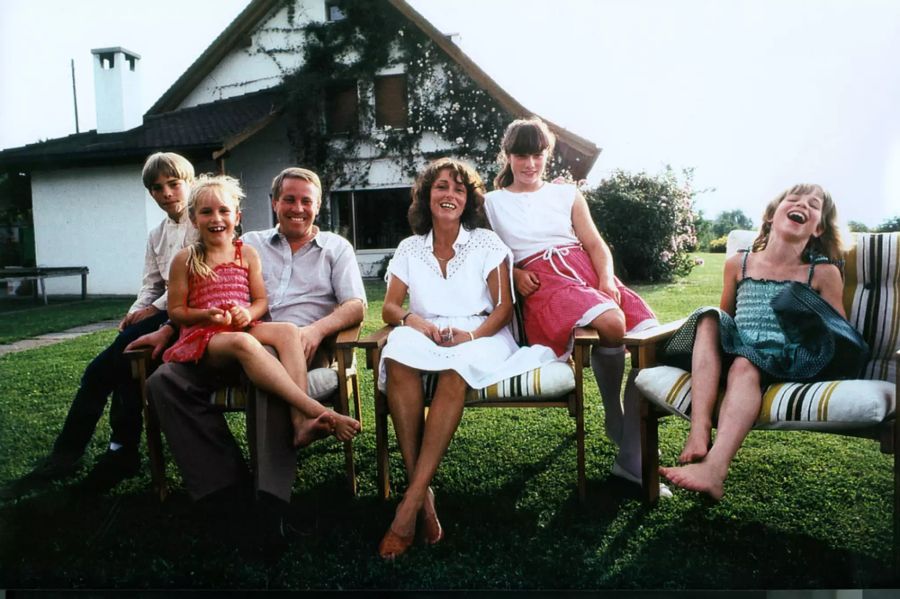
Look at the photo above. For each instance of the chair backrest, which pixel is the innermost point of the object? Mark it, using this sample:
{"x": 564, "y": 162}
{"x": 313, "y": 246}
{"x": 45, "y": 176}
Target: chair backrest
{"x": 872, "y": 298}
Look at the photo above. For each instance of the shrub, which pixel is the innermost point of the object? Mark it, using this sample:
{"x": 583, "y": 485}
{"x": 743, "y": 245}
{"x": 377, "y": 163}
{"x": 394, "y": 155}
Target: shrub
{"x": 648, "y": 222}
{"x": 718, "y": 245}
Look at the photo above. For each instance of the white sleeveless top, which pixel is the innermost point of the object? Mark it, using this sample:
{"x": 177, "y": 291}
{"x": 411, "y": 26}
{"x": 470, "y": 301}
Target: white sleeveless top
{"x": 532, "y": 222}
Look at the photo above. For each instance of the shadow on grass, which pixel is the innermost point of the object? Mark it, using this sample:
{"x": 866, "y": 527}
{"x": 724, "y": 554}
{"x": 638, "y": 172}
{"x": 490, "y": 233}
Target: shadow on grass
{"x": 62, "y": 539}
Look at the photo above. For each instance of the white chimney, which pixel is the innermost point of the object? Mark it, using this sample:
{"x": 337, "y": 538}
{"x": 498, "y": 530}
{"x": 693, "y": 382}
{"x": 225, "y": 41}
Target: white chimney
{"x": 117, "y": 89}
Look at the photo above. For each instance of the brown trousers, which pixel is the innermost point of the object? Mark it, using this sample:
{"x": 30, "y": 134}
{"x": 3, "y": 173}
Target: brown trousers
{"x": 202, "y": 444}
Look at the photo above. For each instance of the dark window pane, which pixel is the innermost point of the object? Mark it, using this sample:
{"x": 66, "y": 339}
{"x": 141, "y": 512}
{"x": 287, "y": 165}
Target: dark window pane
{"x": 390, "y": 101}
{"x": 380, "y": 217}
{"x": 341, "y": 107}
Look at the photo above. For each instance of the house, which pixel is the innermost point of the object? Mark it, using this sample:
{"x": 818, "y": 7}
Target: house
{"x": 364, "y": 92}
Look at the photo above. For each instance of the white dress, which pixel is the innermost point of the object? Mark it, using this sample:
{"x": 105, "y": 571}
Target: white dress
{"x": 462, "y": 300}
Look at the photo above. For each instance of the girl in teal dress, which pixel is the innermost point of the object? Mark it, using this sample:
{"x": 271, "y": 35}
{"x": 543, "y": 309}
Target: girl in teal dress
{"x": 757, "y": 335}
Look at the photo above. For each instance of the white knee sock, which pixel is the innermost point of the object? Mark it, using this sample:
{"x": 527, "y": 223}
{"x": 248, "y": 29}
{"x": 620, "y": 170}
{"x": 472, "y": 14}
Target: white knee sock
{"x": 608, "y": 364}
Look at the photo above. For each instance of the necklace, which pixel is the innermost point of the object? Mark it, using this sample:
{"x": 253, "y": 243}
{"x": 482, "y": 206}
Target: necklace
{"x": 439, "y": 259}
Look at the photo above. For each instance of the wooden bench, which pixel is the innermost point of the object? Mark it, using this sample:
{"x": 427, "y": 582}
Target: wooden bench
{"x": 40, "y": 273}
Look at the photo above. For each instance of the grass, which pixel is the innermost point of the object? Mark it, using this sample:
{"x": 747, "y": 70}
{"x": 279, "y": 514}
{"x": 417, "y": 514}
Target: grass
{"x": 802, "y": 510}
{"x": 24, "y": 318}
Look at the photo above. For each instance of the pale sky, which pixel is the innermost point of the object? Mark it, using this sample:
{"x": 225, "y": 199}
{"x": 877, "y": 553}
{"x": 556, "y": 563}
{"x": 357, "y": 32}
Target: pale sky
{"x": 753, "y": 94}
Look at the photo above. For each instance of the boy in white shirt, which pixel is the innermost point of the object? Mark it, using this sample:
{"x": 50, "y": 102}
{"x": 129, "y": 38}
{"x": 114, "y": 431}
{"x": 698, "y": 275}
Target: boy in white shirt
{"x": 168, "y": 177}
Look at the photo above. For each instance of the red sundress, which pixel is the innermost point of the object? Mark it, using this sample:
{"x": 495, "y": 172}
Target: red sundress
{"x": 568, "y": 290}
{"x": 230, "y": 287}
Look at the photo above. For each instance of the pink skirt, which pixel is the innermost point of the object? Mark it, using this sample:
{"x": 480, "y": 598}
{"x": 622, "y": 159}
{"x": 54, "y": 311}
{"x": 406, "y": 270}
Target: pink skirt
{"x": 552, "y": 312}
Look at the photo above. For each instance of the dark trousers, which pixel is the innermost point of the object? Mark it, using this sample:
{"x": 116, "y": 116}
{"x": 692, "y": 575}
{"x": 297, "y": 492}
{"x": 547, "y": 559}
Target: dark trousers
{"x": 108, "y": 373}
{"x": 202, "y": 444}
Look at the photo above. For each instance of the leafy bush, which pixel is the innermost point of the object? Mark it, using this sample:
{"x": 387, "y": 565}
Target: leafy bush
{"x": 718, "y": 245}
{"x": 648, "y": 222}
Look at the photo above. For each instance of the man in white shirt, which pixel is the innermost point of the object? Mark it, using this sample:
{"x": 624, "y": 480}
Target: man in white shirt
{"x": 168, "y": 177}
{"x": 312, "y": 279}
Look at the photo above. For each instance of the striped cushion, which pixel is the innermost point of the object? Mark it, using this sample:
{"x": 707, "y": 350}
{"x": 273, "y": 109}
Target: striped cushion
{"x": 323, "y": 382}
{"x": 824, "y": 406}
{"x": 547, "y": 382}
{"x": 872, "y": 299}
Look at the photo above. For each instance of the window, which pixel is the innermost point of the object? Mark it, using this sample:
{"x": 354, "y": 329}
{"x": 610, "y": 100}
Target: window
{"x": 342, "y": 108}
{"x": 390, "y": 102}
{"x": 371, "y": 219}
{"x": 333, "y": 11}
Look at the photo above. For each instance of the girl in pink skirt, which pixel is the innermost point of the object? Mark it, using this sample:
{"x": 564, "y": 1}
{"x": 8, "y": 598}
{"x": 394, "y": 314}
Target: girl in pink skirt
{"x": 564, "y": 269}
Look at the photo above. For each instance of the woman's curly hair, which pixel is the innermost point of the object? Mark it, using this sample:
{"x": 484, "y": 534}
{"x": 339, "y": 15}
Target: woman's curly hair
{"x": 473, "y": 215}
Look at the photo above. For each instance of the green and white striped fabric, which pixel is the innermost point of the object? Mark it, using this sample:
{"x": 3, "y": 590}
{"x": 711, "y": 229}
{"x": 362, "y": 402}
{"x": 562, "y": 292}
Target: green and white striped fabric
{"x": 547, "y": 382}
{"x": 322, "y": 382}
{"x": 830, "y": 405}
{"x": 872, "y": 304}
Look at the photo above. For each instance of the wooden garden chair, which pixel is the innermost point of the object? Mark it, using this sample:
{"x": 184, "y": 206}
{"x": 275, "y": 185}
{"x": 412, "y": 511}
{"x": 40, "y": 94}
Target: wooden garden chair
{"x": 860, "y": 408}
{"x": 555, "y": 385}
{"x": 335, "y": 386}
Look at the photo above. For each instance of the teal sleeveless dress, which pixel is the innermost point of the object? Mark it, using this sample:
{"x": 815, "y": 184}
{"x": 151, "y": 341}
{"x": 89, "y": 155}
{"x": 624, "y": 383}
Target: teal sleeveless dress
{"x": 784, "y": 328}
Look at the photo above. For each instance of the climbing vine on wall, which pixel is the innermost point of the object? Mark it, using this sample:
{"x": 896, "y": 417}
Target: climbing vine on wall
{"x": 443, "y": 101}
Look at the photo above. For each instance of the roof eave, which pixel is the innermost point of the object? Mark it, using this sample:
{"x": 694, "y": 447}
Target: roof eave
{"x": 217, "y": 50}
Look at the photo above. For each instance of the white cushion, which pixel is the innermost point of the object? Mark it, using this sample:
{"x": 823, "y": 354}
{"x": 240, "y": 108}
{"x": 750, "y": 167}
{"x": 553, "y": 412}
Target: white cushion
{"x": 823, "y": 406}
{"x": 549, "y": 381}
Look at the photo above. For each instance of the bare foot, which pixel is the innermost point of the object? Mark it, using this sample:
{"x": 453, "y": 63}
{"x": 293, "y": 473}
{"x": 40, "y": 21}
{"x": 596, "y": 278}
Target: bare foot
{"x": 696, "y": 447}
{"x": 404, "y": 523}
{"x": 345, "y": 427}
{"x": 431, "y": 526}
{"x": 307, "y": 430}
{"x": 699, "y": 477}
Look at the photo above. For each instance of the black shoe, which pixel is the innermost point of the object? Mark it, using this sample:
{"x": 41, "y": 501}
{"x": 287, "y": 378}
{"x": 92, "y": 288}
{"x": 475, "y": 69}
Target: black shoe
{"x": 112, "y": 468}
{"x": 270, "y": 526}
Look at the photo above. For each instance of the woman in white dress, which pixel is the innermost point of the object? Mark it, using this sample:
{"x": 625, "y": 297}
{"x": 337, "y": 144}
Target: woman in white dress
{"x": 457, "y": 277}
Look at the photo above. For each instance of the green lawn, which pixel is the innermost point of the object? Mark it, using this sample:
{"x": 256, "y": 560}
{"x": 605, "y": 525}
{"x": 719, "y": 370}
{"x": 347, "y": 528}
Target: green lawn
{"x": 801, "y": 511}
{"x": 23, "y": 318}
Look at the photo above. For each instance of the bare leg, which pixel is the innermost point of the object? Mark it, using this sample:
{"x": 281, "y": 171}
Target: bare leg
{"x": 608, "y": 364}
{"x": 267, "y": 373}
{"x": 706, "y": 368}
{"x": 739, "y": 412}
{"x": 284, "y": 338}
{"x": 443, "y": 420}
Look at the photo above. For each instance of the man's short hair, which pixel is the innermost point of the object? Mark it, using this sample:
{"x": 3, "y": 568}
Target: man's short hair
{"x": 295, "y": 172}
{"x": 169, "y": 164}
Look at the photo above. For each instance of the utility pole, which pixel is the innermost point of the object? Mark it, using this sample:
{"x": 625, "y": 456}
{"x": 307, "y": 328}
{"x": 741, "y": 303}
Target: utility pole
{"x": 74, "y": 94}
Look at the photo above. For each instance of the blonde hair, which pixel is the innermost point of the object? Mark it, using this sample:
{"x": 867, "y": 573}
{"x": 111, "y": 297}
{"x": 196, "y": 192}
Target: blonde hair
{"x": 226, "y": 188}
{"x": 295, "y": 172}
{"x": 169, "y": 164}
{"x": 522, "y": 136}
{"x": 827, "y": 244}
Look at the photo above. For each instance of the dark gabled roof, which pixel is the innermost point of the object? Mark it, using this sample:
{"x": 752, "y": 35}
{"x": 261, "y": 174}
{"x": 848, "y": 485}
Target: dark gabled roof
{"x": 233, "y": 36}
{"x": 204, "y": 131}
{"x": 578, "y": 151}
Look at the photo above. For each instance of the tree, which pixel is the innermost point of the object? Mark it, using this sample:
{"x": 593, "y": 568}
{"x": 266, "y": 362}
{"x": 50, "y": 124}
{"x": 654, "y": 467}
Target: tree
{"x": 857, "y": 227}
{"x": 730, "y": 220}
{"x": 890, "y": 225}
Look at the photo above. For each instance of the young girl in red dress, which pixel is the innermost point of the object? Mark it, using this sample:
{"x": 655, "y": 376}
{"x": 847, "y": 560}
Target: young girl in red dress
{"x": 217, "y": 296}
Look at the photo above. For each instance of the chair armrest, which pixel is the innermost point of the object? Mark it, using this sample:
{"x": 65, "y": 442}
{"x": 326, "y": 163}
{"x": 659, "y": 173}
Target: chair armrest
{"x": 586, "y": 336}
{"x": 140, "y": 360}
{"x": 347, "y": 338}
{"x": 373, "y": 343}
{"x": 642, "y": 345}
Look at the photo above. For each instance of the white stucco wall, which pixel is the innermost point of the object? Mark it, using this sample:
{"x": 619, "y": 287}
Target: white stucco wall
{"x": 275, "y": 50}
{"x": 94, "y": 217}
{"x": 255, "y": 163}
